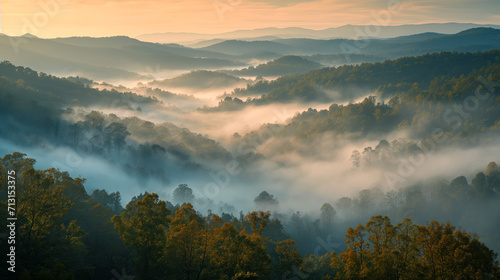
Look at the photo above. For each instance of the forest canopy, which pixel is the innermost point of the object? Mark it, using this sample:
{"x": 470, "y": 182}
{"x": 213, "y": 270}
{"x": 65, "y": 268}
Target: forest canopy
{"x": 66, "y": 233}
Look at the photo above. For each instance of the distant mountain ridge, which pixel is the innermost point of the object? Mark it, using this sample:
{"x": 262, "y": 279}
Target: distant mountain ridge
{"x": 484, "y": 38}
{"x": 107, "y": 58}
{"x": 345, "y": 31}
{"x": 122, "y": 58}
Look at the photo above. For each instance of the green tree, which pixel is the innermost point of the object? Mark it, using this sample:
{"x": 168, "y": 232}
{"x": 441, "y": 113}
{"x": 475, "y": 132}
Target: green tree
{"x": 353, "y": 263}
{"x": 143, "y": 226}
{"x": 111, "y": 200}
{"x": 288, "y": 257}
{"x": 47, "y": 245}
{"x": 188, "y": 240}
{"x": 40, "y": 209}
{"x": 183, "y": 193}
{"x": 327, "y": 215}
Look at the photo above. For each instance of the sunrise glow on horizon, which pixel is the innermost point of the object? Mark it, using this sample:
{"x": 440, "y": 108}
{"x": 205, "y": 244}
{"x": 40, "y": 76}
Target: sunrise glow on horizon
{"x": 63, "y": 18}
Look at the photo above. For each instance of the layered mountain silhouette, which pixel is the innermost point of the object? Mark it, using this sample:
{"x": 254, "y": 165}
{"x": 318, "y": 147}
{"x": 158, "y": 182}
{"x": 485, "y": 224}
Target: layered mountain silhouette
{"x": 124, "y": 58}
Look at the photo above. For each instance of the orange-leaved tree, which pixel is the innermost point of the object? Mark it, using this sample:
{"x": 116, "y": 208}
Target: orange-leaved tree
{"x": 143, "y": 226}
{"x": 380, "y": 250}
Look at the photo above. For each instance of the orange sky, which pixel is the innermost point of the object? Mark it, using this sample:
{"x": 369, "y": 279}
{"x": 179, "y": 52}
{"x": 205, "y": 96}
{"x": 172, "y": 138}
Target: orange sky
{"x": 62, "y": 18}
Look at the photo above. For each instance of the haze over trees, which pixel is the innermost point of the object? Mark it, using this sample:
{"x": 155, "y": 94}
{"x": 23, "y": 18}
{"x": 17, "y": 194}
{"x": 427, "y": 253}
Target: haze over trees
{"x": 200, "y": 80}
{"x": 65, "y": 233}
{"x": 121, "y": 58}
{"x": 266, "y": 201}
{"x": 52, "y": 114}
{"x": 405, "y": 76}
{"x": 284, "y": 65}
{"x": 382, "y": 165}
{"x": 475, "y": 39}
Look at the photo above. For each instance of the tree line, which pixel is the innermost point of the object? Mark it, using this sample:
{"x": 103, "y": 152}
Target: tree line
{"x": 65, "y": 233}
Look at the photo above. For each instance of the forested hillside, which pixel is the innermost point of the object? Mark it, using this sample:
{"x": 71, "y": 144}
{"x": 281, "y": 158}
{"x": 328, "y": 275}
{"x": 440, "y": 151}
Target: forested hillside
{"x": 284, "y": 65}
{"x": 43, "y": 110}
{"x": 459, "y": 105}
{"x": 250, "y": 140}
{"x": 383, "y": 170}
{"x": 108, "y": 58}
{"x": 349, "y": 82}
{"x": 65, "y": 232}
{"x": 200, "y": 80}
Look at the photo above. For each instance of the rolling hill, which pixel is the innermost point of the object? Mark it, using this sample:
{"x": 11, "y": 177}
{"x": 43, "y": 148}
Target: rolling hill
{"x": 106, "y": 58}
{"x": 477, "y": 39}
{"x": 201, "y": 79}
{"x": 289, "y": 64}
{"x": 350, "y": 82}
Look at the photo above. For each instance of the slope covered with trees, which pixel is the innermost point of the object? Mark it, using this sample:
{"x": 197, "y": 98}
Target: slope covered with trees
{"x": 458, "y": 103}
{"x": 200, "y": 79}
{"x": 285, "y": 65}
{"x": 108, "y": 58}
{"x": 40, "y": 110}
{"x": 348, "y": 82}
{"x": 24, "y": 83}
{"x": 65, "y": 233}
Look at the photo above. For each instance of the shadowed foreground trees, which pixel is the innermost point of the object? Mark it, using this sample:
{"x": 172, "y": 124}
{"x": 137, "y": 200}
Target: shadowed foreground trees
{"x": 143, "y": 226}
{"x": 380, "y": 250}
{"x": 65, "y": 233}
{"x": 49, "y": 243}
{"x": 188, "y": 246}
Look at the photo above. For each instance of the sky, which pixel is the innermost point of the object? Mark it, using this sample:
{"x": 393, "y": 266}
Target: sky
{"x": 97, "y": 18}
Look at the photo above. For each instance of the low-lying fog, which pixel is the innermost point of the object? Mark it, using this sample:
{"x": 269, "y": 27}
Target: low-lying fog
{"x": 301, "y": 176}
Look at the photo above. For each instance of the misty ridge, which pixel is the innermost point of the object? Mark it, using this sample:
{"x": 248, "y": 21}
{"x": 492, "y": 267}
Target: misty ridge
{"x": 345, "y": 31}
{"x": 284, "y": 65}
{"x": 212, "y": 136}
{"x": 120, "y": 58}
{"x": 200, "y": 80}
{"x": 269, "y": 238}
